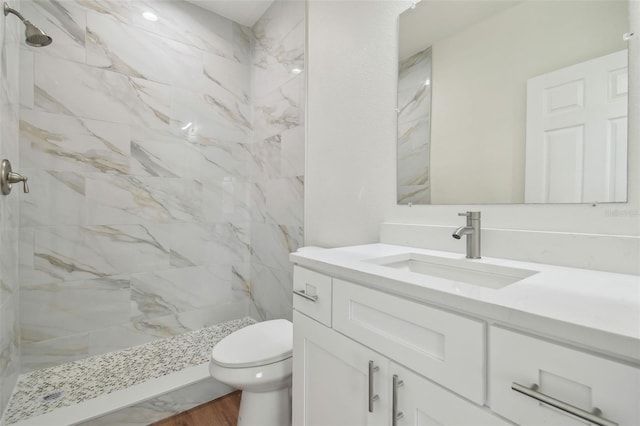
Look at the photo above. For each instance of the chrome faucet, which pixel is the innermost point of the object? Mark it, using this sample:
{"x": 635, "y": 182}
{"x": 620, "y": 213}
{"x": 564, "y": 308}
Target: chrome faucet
{"x": 472, "y": 231}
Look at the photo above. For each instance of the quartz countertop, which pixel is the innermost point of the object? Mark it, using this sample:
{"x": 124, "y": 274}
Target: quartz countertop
{"x": 591, "y": 309}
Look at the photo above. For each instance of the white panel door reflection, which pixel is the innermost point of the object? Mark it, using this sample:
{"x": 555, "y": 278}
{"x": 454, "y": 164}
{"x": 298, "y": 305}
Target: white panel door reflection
{"x": 577, "y": 133}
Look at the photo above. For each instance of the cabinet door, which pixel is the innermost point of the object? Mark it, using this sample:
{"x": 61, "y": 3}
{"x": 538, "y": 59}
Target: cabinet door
{"x": 331, "y": 378}
{"x": 423, "y": 403}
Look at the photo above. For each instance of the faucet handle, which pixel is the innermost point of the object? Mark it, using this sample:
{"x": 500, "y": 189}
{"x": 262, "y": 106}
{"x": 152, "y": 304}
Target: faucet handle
{"x": 13, "y": 177}
{"x": 471, "y": 215}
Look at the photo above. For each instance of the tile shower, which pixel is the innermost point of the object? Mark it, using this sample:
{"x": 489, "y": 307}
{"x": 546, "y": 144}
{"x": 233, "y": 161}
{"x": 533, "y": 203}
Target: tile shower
{"x": 166, "y": 164}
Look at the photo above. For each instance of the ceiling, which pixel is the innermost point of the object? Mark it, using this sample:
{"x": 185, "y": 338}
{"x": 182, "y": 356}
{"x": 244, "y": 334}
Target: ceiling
{"x": 245, "y": 12}
{"x": 431, "y": 21}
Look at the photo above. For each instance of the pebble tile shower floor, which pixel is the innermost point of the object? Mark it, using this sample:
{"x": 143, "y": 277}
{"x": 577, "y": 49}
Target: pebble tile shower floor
{"x": 43, "y": 391}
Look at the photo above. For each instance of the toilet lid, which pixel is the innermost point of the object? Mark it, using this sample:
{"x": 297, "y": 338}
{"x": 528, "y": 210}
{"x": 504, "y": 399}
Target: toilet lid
{"x": 258, "y": 344}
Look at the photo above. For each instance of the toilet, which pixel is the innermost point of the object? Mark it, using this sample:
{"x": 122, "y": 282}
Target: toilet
{"x": 257, "y": 360}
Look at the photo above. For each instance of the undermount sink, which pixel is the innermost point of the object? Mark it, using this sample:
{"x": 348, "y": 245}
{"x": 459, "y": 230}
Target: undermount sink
{"x": 461, "y": 270}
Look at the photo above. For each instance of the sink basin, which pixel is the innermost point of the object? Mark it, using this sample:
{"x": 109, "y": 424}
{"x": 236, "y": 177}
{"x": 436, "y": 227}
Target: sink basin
{"x": 461, "y": 270}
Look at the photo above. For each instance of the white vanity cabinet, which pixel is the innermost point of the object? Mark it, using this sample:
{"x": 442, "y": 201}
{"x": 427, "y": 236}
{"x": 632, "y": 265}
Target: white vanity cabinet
{"x": 357, "y": 372}
{"x": 339, "y": 382}
{"x": 389, "y": 346}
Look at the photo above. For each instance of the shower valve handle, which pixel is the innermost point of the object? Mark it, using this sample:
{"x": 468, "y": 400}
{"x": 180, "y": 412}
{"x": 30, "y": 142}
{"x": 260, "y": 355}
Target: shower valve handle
{"x": 8, "y": 177}
{"x": 17, "y": 177}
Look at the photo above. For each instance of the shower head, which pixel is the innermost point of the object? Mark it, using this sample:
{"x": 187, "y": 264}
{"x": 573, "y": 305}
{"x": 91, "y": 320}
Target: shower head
{"x": 34, "y": 36}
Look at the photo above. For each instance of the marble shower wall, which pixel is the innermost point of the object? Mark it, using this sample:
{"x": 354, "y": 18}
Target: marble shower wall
{"x": 277, "y": 179}
{"x": 10, "y": 39}
{"x": 136, "y": 137}
{"x": 414, "y": 128}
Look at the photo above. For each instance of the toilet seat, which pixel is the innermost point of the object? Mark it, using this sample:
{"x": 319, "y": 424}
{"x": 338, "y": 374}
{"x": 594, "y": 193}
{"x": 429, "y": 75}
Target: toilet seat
{"x": 259, "y": 344}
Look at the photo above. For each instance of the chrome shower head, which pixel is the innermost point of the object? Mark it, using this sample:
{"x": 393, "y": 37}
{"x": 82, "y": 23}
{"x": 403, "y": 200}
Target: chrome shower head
{"x": 34, "y": 36}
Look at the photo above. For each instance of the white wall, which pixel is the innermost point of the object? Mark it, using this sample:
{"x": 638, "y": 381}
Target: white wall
{"x": 350, "y": 178}
{"x": 351, "y": 120}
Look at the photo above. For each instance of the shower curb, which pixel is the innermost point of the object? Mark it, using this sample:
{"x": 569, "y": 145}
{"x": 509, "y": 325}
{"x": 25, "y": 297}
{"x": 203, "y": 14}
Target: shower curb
{"x": 118, "y": 400}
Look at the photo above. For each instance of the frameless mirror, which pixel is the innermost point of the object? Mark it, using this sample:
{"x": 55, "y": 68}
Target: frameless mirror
{"x": 512, "y": 102}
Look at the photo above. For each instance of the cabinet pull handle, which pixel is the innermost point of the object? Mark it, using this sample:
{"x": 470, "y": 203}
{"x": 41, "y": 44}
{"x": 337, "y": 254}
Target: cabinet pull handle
{"x": 395, "y": 414}
{"x": 593, "y": 417}
{"x": 372, "y": 397}
{"x": 304, "y": 294}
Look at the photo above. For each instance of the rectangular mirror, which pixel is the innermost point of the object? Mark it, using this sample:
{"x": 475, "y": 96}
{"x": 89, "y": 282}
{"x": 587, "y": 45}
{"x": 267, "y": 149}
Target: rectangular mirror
{"x": 503, "y": 102}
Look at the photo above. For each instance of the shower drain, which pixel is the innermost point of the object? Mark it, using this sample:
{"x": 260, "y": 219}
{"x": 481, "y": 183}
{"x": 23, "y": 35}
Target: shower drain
{"x": 53, "y": 396}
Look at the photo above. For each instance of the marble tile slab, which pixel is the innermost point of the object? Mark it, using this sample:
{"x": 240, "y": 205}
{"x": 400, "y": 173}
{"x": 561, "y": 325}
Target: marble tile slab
{"x": 121, "y": 10}
{"x": 115, "y": 199}
{"x": 271, "y": 244}
{"x": 161, "y": 153}
{"x": 413, "y": 153}
{"x": 278, "y": 110}
{"x": 275, "y": 62}
{"x": 414, "y": 87}
{"x": 99, "y": 94}
{"x": 47, "y": 353}
{"x": 279, "y": 21}
{"x": 172, "y": 291}
{"x": 414, "y": 194}
{"x": 187, "y": 23}
{"x": 9, "y": 241}
{"x": 123, "y": 48}
{"x": 218, "y": 201}
{"x": 215, "y": 115}
{"x": 68, "y": 253}
{"x": 218, "y": 161}
{"x": 55, "y": 198}
{"x": 273, "y": 294}
{"x": 26, "y": 78}
{"x": 229, "y": 74}
{"x": 292, "y": 152}
{"x": 258, "y": 194}
{"x": 266, "y": 158}
{"x": 188, "y": 242}
{"x": 67, "y": 143}
{"x": 56, "y": 310}
{"x": 285, "y": 201}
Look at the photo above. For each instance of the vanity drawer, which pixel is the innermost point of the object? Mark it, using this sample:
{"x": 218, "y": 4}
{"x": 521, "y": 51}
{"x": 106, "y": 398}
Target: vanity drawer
{"x": 444, "y": 347}
{"x": 577, "y": 378}
{"x": 312, "y": 294}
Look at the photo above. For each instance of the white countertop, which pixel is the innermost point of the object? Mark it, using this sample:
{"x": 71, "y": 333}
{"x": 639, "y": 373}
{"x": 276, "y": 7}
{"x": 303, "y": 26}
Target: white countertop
{"x": 591, "y": 309}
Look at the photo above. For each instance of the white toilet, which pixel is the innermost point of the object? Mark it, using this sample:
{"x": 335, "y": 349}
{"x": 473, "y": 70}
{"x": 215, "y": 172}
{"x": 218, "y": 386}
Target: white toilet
{"x": 257, "y": 360}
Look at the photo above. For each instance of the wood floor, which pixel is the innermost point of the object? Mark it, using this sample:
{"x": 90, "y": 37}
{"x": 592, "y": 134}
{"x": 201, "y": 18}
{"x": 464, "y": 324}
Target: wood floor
{"x": 220, "y": 412}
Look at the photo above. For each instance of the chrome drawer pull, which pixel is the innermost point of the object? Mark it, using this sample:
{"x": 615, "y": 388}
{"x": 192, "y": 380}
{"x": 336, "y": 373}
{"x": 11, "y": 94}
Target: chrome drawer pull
{"x": 592, "y": 417}
{"x": 372, "y": 397}
{"x": 302, "y": 293}
{"x": 395, "y": 414}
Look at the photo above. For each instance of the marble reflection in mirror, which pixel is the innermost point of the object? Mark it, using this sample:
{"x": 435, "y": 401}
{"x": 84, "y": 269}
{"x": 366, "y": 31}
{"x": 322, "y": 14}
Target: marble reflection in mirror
{"x": 512, "y": 102}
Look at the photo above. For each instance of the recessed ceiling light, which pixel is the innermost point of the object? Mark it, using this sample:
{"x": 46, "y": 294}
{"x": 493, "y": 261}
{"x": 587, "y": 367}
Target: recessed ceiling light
{"x": 150, "y": 16}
